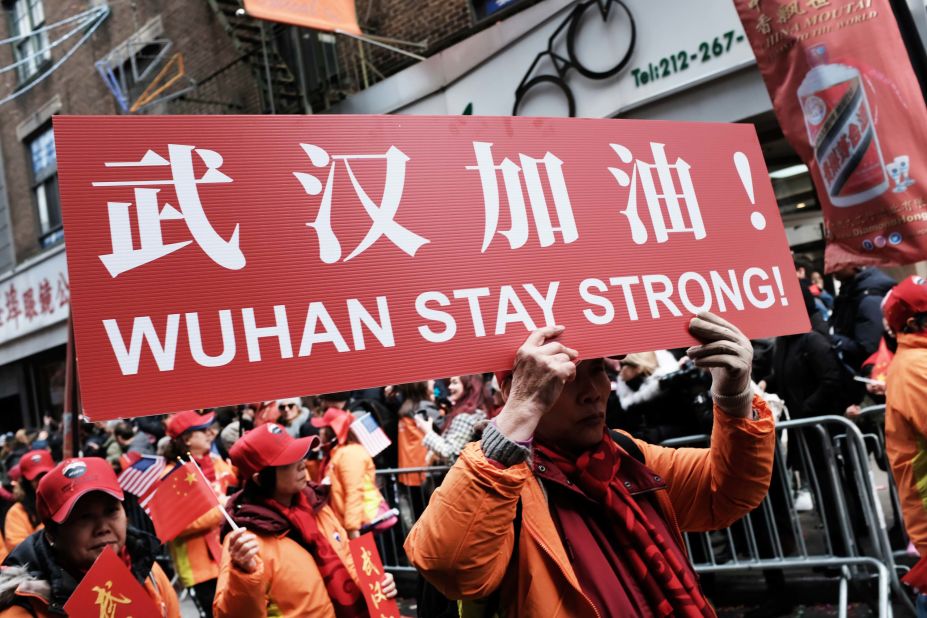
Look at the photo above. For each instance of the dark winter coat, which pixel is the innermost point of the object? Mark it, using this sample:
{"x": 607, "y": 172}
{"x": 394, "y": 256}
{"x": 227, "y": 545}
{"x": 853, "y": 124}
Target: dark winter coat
{"x": 807, "y": 375}
{"x": 857, "y": 317}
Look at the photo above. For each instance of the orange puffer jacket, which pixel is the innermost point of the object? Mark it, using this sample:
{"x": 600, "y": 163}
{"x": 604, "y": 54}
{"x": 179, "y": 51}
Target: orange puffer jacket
{"x": 287, "y": 581}
{"x": 463, "y": 542}
{"x": 906, "y": 432}
{"x": 355, "y": 496}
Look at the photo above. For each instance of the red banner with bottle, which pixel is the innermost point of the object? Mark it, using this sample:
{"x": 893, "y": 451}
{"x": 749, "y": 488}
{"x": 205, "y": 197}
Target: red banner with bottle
{"x": 849, "y": 103}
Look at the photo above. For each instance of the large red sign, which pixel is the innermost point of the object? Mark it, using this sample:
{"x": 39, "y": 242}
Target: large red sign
{"x": 217, "y": 260}
{"x": 849, "y": 103}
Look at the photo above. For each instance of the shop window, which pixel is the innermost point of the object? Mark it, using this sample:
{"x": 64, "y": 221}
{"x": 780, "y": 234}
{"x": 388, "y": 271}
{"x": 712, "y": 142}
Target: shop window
{"x": 44, "y": 163}
{"x": 30, "y": 49}
{"x": 491, "y": 8}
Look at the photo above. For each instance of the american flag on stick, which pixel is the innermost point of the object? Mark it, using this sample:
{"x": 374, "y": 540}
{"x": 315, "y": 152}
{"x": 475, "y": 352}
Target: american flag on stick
{"x": 369, "y": 433}
{"x": 141, "y": 478}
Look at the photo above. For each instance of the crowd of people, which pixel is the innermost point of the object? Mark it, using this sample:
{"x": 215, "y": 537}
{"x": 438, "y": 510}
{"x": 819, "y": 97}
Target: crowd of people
{"x": 589, "y": 535}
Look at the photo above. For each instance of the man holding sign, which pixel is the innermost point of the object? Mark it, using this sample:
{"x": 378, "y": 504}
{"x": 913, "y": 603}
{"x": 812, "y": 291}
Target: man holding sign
{"x": 590, "y": 520}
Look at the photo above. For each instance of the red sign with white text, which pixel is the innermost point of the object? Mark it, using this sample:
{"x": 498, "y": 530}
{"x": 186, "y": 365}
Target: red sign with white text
{"x": 216, "y": 260}
{"x": 849, "y": 103}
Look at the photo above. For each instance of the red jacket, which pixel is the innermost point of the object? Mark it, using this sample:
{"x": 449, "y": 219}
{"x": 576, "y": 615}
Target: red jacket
{"x": 463, "y": 542}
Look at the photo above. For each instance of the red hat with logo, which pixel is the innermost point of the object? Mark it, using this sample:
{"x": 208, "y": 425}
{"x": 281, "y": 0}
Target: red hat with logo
{"x": 35, "y": 463}
{"x": 189, "y": 420}
{"x": 336, "y": 418}
{"x": 269, "y": 445}
{"x": 60, "y": 489}
{"x": 905, "y": 300}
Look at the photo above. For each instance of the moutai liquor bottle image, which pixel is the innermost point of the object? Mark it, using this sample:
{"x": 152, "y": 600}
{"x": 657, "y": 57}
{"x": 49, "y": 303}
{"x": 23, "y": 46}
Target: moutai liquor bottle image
{"x": 841, "y": 131}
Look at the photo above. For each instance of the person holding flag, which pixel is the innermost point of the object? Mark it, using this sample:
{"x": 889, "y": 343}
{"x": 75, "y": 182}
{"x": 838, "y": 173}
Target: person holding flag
{"x": 197, "y": 550}
{"x": 80, "y": 504}
{"x": 288, "y": 554}
{"x": 351, "y": 472}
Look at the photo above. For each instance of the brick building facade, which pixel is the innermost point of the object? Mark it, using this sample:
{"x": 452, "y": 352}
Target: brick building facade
{"x": 98, "y": 57}
{"x": 220, "y": 80}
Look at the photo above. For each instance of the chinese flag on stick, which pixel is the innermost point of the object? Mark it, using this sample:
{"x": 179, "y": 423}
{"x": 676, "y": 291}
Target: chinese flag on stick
{"x": 110, "y": 589}
{"x": 182, "y": 497}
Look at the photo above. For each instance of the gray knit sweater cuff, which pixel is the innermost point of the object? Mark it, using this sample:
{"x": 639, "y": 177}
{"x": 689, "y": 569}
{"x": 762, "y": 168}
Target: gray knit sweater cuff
{"x": 734, "y": 402}
{"x": 498, "y": 447}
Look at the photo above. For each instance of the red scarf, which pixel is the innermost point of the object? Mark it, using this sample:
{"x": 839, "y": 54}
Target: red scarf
{"x": 207, "y": 466}
{"x": 668, "y": 584}
{"x": 343, "y": 591}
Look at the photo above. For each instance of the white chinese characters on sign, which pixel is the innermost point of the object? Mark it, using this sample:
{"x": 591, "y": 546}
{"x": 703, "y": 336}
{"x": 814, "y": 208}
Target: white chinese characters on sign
{"x": 655, "y": 199}
{"x": 511, "y": 179}
{"x": 150, "y": 214}
{"x": 382, "y": 216}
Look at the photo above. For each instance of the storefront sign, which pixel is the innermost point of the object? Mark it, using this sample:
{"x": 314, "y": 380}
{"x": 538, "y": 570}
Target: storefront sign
{"x": 36, "y": 296}
{"x": 579, "y": 51}
{"x": 849, "y": 103}
{"x": 217, "y": 260}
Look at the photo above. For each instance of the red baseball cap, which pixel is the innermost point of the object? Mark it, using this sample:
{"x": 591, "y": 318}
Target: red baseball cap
{"x": 35, "y": 463}
{"x": 336, "y": 418}
{"x": 63, "y": 486}
{"x": 904, "y": 301}
{"x": 269, "y": 445}
{"x": 15, "y": 473}
{"x": 189, "y": 420}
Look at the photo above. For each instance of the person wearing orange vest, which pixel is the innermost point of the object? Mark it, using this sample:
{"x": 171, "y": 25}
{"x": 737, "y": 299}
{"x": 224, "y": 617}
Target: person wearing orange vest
{"x": 351, "y": 472}
{"x": 197, "y": 550}
{"x": 22, "y": 518}
{"x": 598, "y": 523}
{"x": 80, "y": 503}
{"x": 290, "y": 556}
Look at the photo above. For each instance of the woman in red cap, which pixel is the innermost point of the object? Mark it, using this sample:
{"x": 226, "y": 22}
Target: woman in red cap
{"x": 22, "y": 519}
{"x": 197, "y": 551}
{"x": 290, "y": 556}
{"x": 80, "y": 503}
{"x": 350, "y": 470}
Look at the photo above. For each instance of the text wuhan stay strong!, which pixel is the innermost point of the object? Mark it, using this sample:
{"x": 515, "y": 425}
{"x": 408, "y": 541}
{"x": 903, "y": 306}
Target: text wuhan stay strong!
{"x": 487, "y": 312}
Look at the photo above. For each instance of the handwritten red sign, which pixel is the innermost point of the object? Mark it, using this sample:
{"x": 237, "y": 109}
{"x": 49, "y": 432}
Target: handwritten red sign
{"x": 370, "y": 574}
{"x": 110, "y": 589}
{"x": 216, "y": 260}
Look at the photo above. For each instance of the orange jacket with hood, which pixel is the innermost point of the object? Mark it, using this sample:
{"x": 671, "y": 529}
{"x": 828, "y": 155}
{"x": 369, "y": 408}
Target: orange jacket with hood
{"x": 463, "y": 542}
{"x": 906, "y": 432}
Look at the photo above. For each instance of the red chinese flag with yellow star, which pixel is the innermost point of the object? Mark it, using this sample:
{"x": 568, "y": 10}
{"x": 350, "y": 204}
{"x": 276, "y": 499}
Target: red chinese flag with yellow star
{"x": 182, "y": 497}
{"x": 110, "y": 589}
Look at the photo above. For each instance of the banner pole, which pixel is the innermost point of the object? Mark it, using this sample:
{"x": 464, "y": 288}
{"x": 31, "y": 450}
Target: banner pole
{"x": 379, "y": 44}
{"x": 228, "y": 517}
{"x": 71, "y": 413}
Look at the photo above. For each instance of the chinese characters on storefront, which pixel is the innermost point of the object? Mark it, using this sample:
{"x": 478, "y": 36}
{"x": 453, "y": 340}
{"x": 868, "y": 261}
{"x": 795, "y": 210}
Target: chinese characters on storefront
{"x": 35, "y": 297}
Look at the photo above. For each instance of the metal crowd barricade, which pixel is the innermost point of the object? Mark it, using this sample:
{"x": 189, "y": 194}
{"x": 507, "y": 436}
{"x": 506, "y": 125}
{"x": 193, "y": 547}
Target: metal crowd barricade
{"x": 844, "y": 531}
{"x": 871, "y": 421}
{"x": 407, "y": 489}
